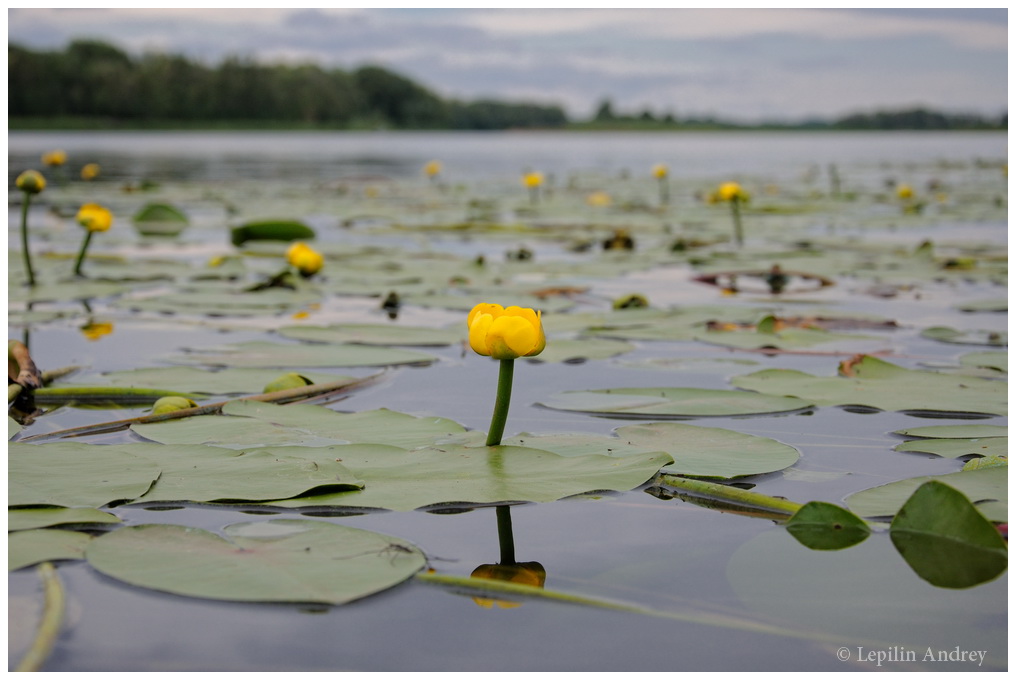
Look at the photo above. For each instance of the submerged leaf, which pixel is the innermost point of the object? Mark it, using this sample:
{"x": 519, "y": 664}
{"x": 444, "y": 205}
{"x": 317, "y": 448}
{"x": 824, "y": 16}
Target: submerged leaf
{"x": 824, "y": 526}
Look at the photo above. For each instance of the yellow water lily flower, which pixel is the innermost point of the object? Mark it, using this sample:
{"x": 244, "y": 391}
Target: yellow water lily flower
{"x": 54, "y": 158}
{"x": 31, "y": 182}
{"x": 94, "y": 217}
{"x": 532, "y": 180}
{"x": 660, "y": 171}
{"x": 505, "y": 333}
{"x": 307, "y": 260}
{"x": 598, "y": 199}
{"x": 432, "y": 169}
{"x": 731, "y": 191}
{"x": 90, "y": 171}
{"x": 905, "y": 192}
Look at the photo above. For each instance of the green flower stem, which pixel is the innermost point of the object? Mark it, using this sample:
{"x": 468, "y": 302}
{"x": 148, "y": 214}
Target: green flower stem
{"x": 735, "y": 210}
{"x": 505, "y": 538}
{"x": 81, "y": 254}
{"x": 24, "y": 239}
{"x": 501, "y": 402}
{"x": 664, "y": 191}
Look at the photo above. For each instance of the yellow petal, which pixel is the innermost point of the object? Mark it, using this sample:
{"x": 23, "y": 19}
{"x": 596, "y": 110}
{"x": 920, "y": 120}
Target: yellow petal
{"x": 494, "y": 310}
{"x": 478, "y": 333}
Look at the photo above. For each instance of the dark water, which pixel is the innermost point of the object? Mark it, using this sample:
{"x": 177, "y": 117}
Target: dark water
{"x": 634, "y": 547}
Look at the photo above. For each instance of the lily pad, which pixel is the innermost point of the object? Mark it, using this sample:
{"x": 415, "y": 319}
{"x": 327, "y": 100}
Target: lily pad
{"x": 75, "y": 475}
{"x": 678, "y": 402}
{"x": 987, "y": 488}
{"x": 946, "y": 541}
{"x": 275, "y": 561}
{"x": 39, "y": 518}
{"x": 25, "y": 548}
{"x": 957, "y": 448}
{"x": 562, "y": 350}
{"x": 786, "y": 339}
{"x": 203, "y": 381}
{"x": 223, "y": 302}
{"x": 375, "y": 334}
{"x": 955, "y": 431}
{"x": 998, "y": 361}
{"x": 967, "y": 337}
{"x": 397, "y": 479}
{"x": 258, "y": 354}
{"x": 987, "y": 305}
{"x": 824, "y": 526}
{"x": 251, "y": 424}
{"x": 271, "y": 230}
{"x": 879, "y": 384}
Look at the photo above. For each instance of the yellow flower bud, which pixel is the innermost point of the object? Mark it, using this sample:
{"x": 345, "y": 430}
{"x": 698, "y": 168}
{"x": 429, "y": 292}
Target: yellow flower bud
{"x": 54, "y": 158}
{"x": 170, "y": 404}
{"x": 905, "y": 192}
{"x": 90, "y": 171}
{"x": 94, "y": 217}
{"x": 660, "y": 171}
{"x": 432, "y": 169}
{"x": 532, "y": 180}
{"x": 505, "y": 333}
{"x": 30, "y": 181}
{"x": 731, "y": 191}
{"x": 306, "y": 260}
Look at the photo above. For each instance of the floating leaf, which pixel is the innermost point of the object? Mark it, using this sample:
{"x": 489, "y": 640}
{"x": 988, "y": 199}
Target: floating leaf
{"x": 656, "y": 402}
{"x": 785, "y": 339}
{"x": 945, "y": 540}
{"x": 955, "y": 431}
{"x": 25, "y": 548}
{"x": 259, "y": 354}
{"x": 271, "y": 230}
{"x": 562, "y": 350}
{"x": 998, "y": 361}
{"x": 987, "y": 461}
{"x": 988, "y": 488}
{"x": 204, "y": 381}
{"x": 879, "y": 384}
{"x": 989, "y": 305}
{"x": 824, "y": 526}
{"x": 38, "y": 518}
{"x": 250, "y": 424}
{"x": 160, "y": 219}
{"x": 956, "y": 448}
{"x": 375, "y": 334}
{"x": 216, "y": 301}
{"x": 968, "y": 337}
{"x": 397, "y": 479}
{"x": 75, "y": 475}
{"x": 275, "y": 561}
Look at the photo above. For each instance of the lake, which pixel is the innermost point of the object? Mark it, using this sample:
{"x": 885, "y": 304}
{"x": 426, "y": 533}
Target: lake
{"x": 708, "y": 586}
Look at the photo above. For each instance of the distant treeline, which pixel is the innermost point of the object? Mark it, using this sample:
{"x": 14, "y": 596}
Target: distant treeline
{"x": 95, "y": 80}
{"x": 93, "y": 83}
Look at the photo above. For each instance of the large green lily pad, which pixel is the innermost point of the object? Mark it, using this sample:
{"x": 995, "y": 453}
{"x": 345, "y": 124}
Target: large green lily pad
{"x": 25, "y": 548}
{"x": 882, "y": 385}
{"x": 955, "y": 431}
{"x": 275, "y": 561}
{"x": 686, "y": 402}
{"x": 250, "y": 424}
{"x": 40, "y": 518}
{"x": 204, "y": 381}
{"x": 966, "y": 337}
{"x": 397, "y": 479}
{"x": 259, "y": 354}
{"x": 957, "y": 448}
{"x": 75, "y": 475}
{"x": 998, "y": 361}
{"x": 561, "y": 350}
{"x": 376, "y": 334}
{"x": 987, "y": 488}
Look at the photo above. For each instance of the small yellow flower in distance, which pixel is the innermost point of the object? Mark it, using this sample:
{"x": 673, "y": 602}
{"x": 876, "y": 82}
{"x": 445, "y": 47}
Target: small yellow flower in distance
{"x": 432, "y": 169}
{"x": 532, "y": 179}
{"x": 30, "y": 181}
{"x": 505, "y": 333}
{"x": 598, "y": 199}
{"x": 94, "y": 217}
{"x": 905, "y": 192}
{"x": 54, "y": 158}
{"x": 731, "y": 191}
{"x": 95, "y": 330}
{"x": 660, "y": 171}
{"x": 90, "y": 171}
{"x": 307, "y": 260}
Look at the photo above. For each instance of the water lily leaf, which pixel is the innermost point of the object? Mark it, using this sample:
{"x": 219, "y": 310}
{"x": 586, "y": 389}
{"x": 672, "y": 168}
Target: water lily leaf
{"x": 968, "y": 337}
{"x": 75, "y": 475}
{"x": 13, "y": 427}
{"x": 397, "y": 479}
{"x": 250, "y": 424}
{"x": 38, "y": 518}
{"x": 697, "y": 451}
{"x": 998, "y": 361}
{"x": 988, "y": 488}
{"x": 945, "y": 540}
{"x": 655, "y": 402}
{"x": 223, "y": 302}
{"x": 987, "y": 461}
{"x": 260, "y": 354}
{"x": 879, "y": 384}
{"x": 203, "y": 381}
{"x": 65, "y": 291}
{"x": 788, "y": 338}
{"x": 276, "y": 561}
{"x": 956, "y": 448}
{"x": 504, "y": 297}
{"x": 988, "y": 305}
{"x": 271, "y": 230}
{"x": 691, "y": 365}
{"x": 955, "y": 431}
{"x": 25, "y": 548}
{"x": 561, "y": 350}
{"x": 159, "y": 212}
{"x": 824, "y": 526}
{"x": 375, "y": 334}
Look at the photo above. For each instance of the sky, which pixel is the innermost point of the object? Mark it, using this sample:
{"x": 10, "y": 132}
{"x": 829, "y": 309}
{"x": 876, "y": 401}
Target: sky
{"x": 746, "y": 65}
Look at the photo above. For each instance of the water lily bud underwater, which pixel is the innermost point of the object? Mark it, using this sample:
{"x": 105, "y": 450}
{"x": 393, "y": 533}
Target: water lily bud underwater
{"x": 505, "y": 333}
{"x": 94, "y": 218}
{"x": 305, "y": 259}
{"x": 170, "y": 404}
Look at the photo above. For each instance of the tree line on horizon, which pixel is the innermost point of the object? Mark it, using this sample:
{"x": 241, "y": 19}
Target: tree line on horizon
{"x": 91, "y": 80}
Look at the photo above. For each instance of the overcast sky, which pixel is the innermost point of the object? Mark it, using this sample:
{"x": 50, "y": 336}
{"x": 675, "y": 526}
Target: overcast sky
{"x": 743, "y": 64}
